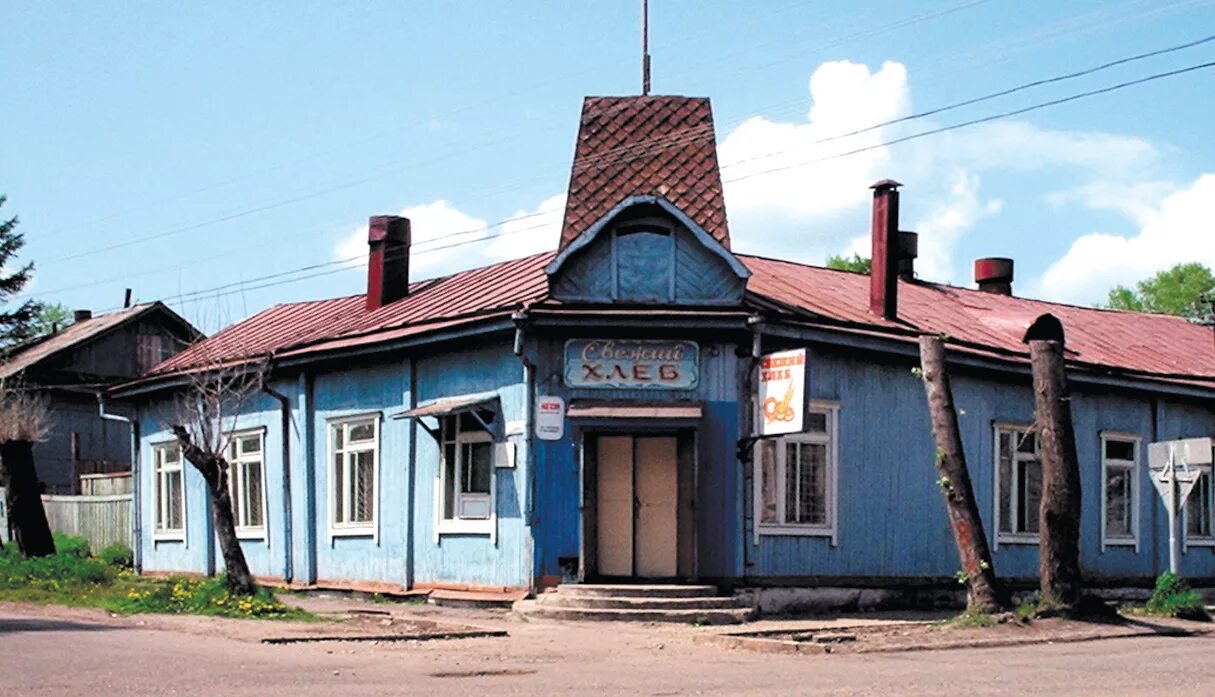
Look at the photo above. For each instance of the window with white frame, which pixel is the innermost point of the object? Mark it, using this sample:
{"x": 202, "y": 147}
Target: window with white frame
{"x": 1198, "y": 511}
{"x": 795, "y": 478}
{"x": 354, "y": 463}
{"x": 1018, "y": 483}
{"x": 170, "y": 492}
{"x": 246, "y": 480}
{"x": 466, "y": 473}
{"x": 1120, "y": 486}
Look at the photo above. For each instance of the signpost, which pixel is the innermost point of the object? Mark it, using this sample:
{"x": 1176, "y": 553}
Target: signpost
{"x": 781, "y": 393}
{"x": 1174, "y": 471}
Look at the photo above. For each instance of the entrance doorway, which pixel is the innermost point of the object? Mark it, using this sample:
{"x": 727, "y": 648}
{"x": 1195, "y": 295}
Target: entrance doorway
{"x": 640, "y": 522}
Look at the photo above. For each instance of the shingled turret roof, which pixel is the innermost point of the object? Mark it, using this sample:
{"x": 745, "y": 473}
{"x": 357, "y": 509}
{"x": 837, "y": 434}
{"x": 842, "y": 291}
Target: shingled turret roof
{"x": 664, "y": 146}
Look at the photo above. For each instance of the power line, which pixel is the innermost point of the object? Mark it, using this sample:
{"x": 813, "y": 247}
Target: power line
{"x": 988, "y": 97}
{"x": 273, "y": 279}
{"x": 985, "y": 119}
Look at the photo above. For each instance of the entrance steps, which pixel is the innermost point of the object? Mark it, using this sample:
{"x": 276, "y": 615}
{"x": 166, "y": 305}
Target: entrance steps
{"x": 636, "y": 603}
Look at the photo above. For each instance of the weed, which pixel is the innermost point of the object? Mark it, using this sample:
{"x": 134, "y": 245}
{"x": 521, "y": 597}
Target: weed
{"x": 1025, "y": 612}
{"x": 1173, "y": 597}
{"x": 72, "y": 577}
{"x": 970, "y": 619}
{"x": 118, "y": 556}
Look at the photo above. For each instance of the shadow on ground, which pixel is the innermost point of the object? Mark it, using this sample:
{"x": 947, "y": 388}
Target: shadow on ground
{"x": 14, "y": 625}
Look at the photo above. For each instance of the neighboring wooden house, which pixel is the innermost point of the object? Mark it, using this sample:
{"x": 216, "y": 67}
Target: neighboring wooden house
{"x": 586, "y": 413}
{"x": 75, "y": 364}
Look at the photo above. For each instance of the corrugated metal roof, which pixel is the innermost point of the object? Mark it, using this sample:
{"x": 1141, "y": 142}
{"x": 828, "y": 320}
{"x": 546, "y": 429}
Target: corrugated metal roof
{"x": 323, "y": 325}
{"x": 659, "y": 145}
{"x": 1154, "y": 345}
{"x": 23, "y": 356}
{"x": 1128, "y": 341}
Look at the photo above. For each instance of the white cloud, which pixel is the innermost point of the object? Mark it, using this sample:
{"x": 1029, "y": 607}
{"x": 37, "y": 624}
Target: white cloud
{"x": 781, "y": 206}
{"x": 844, "y": 96}
{"x": 439, "y": 228}
{"x": 1177, "y": 231}
{"x": 945, "y": 224}
{"x": 529, "y": 232}
{"x": 433, "y": 226}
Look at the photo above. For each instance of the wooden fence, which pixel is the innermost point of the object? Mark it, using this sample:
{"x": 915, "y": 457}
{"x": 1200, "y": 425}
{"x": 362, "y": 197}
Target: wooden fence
{"x": 102, "y": 520}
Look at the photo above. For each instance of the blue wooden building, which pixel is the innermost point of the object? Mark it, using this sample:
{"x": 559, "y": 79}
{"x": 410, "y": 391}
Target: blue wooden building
{"x": 585, "y": 414}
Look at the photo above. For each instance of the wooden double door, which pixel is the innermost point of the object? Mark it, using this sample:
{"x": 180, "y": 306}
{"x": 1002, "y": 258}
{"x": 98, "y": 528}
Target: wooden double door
{"x": 642, "y": 506}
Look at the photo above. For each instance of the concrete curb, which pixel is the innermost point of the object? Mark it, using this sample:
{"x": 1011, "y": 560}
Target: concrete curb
{"x": 765, "y": 645}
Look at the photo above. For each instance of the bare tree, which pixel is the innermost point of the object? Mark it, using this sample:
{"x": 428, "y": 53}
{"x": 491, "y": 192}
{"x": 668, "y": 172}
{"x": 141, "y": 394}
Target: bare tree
{"x": 24, "y": 420}
{"x": 1059, "y": 516}
{"x": 205, "y": 416}
{"x": 985, "y": 592}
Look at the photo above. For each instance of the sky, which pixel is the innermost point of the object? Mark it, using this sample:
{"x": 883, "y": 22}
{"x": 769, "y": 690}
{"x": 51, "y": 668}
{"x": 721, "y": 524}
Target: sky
{"x": 224, "y": 157}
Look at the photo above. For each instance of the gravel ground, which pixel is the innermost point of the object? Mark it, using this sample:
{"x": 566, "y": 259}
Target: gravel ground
{"x": 65, "y": 651}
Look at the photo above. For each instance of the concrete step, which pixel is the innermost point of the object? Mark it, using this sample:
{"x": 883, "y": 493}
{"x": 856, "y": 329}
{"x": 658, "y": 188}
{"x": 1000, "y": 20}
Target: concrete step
{"x": 625, "y": 590}
{"x": 594, "y": 602}
{"x": 474, "y": 599}
{"x": 698, "y": 617}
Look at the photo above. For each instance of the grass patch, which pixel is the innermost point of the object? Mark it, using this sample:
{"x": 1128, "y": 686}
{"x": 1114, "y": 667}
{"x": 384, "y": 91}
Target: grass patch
{"x": 1173, "y": 597}
{"x": 970, "y": 619}
{"x": 72, "y": 576}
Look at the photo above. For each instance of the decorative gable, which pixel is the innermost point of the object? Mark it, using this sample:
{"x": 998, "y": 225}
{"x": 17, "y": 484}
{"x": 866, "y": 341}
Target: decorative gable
{"x": 645, "y": 250}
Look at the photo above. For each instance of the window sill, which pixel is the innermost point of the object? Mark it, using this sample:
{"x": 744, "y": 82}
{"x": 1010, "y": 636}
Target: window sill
{"x": 795, "y": 531}
{"x": 1205, "y": 542}
{"x": 251, "y": 534}
{"x": 179, "y": 536}
{"x": 360, "y": 531}
{"x": 467, "y": 527}
{"x": 1121, "y": 542}
{"x": 1018, "y": 539}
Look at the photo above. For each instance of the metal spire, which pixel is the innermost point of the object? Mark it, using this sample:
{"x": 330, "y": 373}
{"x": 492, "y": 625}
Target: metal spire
{"x": 645, "y": 47}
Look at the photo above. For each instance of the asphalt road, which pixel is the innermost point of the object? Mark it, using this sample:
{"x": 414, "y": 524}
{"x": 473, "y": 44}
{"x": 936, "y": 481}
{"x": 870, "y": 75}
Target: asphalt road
{"x": 58, "y": 655}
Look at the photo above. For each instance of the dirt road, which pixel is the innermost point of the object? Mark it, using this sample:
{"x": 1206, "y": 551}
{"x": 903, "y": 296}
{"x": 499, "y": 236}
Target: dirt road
{"x": 57, "y": 651}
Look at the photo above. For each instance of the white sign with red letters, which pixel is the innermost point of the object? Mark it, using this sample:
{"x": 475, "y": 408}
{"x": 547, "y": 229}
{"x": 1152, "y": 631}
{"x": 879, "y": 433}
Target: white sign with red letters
{"x": 550, "y": 418}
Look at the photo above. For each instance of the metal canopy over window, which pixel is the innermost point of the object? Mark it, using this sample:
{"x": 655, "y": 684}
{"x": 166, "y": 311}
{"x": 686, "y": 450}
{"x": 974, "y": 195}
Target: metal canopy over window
{"x": 604, "y": 409}
{"x": 472, "y": 404}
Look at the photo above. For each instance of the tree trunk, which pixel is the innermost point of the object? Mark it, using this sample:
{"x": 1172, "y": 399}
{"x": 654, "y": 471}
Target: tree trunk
{"x": 26, "y": 516}
{"x": 240, "y": 581}
{"x": 214, "y": 470}
{"x": 1059, "y": 516}
{"x": 986, "y": 594}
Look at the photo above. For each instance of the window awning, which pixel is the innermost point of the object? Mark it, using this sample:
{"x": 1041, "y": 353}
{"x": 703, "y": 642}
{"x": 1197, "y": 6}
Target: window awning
{"x": 448, "y": 405}
{"x": 595, "y": 409}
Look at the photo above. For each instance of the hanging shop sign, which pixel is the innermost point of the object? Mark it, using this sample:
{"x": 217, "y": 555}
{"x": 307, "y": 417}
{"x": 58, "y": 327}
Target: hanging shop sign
{"x": 550, "y": 418}
{"x": 781, "y": 393}
{"x": 632, "y": 364}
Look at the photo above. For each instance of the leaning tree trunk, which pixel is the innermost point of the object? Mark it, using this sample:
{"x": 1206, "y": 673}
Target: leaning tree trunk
{"x": 214, "y": 470}
{"x": 1059, "y": 517}
{"x": 986, "y": 594}
{"x": 26, "y": 516}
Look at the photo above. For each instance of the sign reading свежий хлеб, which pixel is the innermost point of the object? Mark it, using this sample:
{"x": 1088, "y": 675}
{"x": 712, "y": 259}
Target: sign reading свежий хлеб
{"x": 632, "y": 364}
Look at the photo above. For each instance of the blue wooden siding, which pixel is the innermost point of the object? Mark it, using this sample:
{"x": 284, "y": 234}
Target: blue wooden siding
{"x": 558, "y": 467}
{"x": 383, "y": 556}
{"x": 890, "y": 522}
{"x": 643, "y": 267}
{"x": 891, "y": 517}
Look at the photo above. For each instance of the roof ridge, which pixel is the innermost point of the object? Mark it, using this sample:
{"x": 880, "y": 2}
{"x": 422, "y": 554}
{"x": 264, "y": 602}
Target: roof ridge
{"x": 951, "y": 286}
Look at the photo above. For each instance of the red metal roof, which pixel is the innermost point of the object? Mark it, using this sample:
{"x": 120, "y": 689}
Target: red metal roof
{"x": 1133, "y": 342}
{"x": 628, "y": 146}
{"x": 321, "y": 325}
{"x": 1156, "y": 346}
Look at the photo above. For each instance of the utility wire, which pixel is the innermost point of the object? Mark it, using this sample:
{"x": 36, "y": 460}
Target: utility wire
{"x": 988, "y": 97}
{"x": 985, "y": 119}
{"x": 226, "y": 289}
